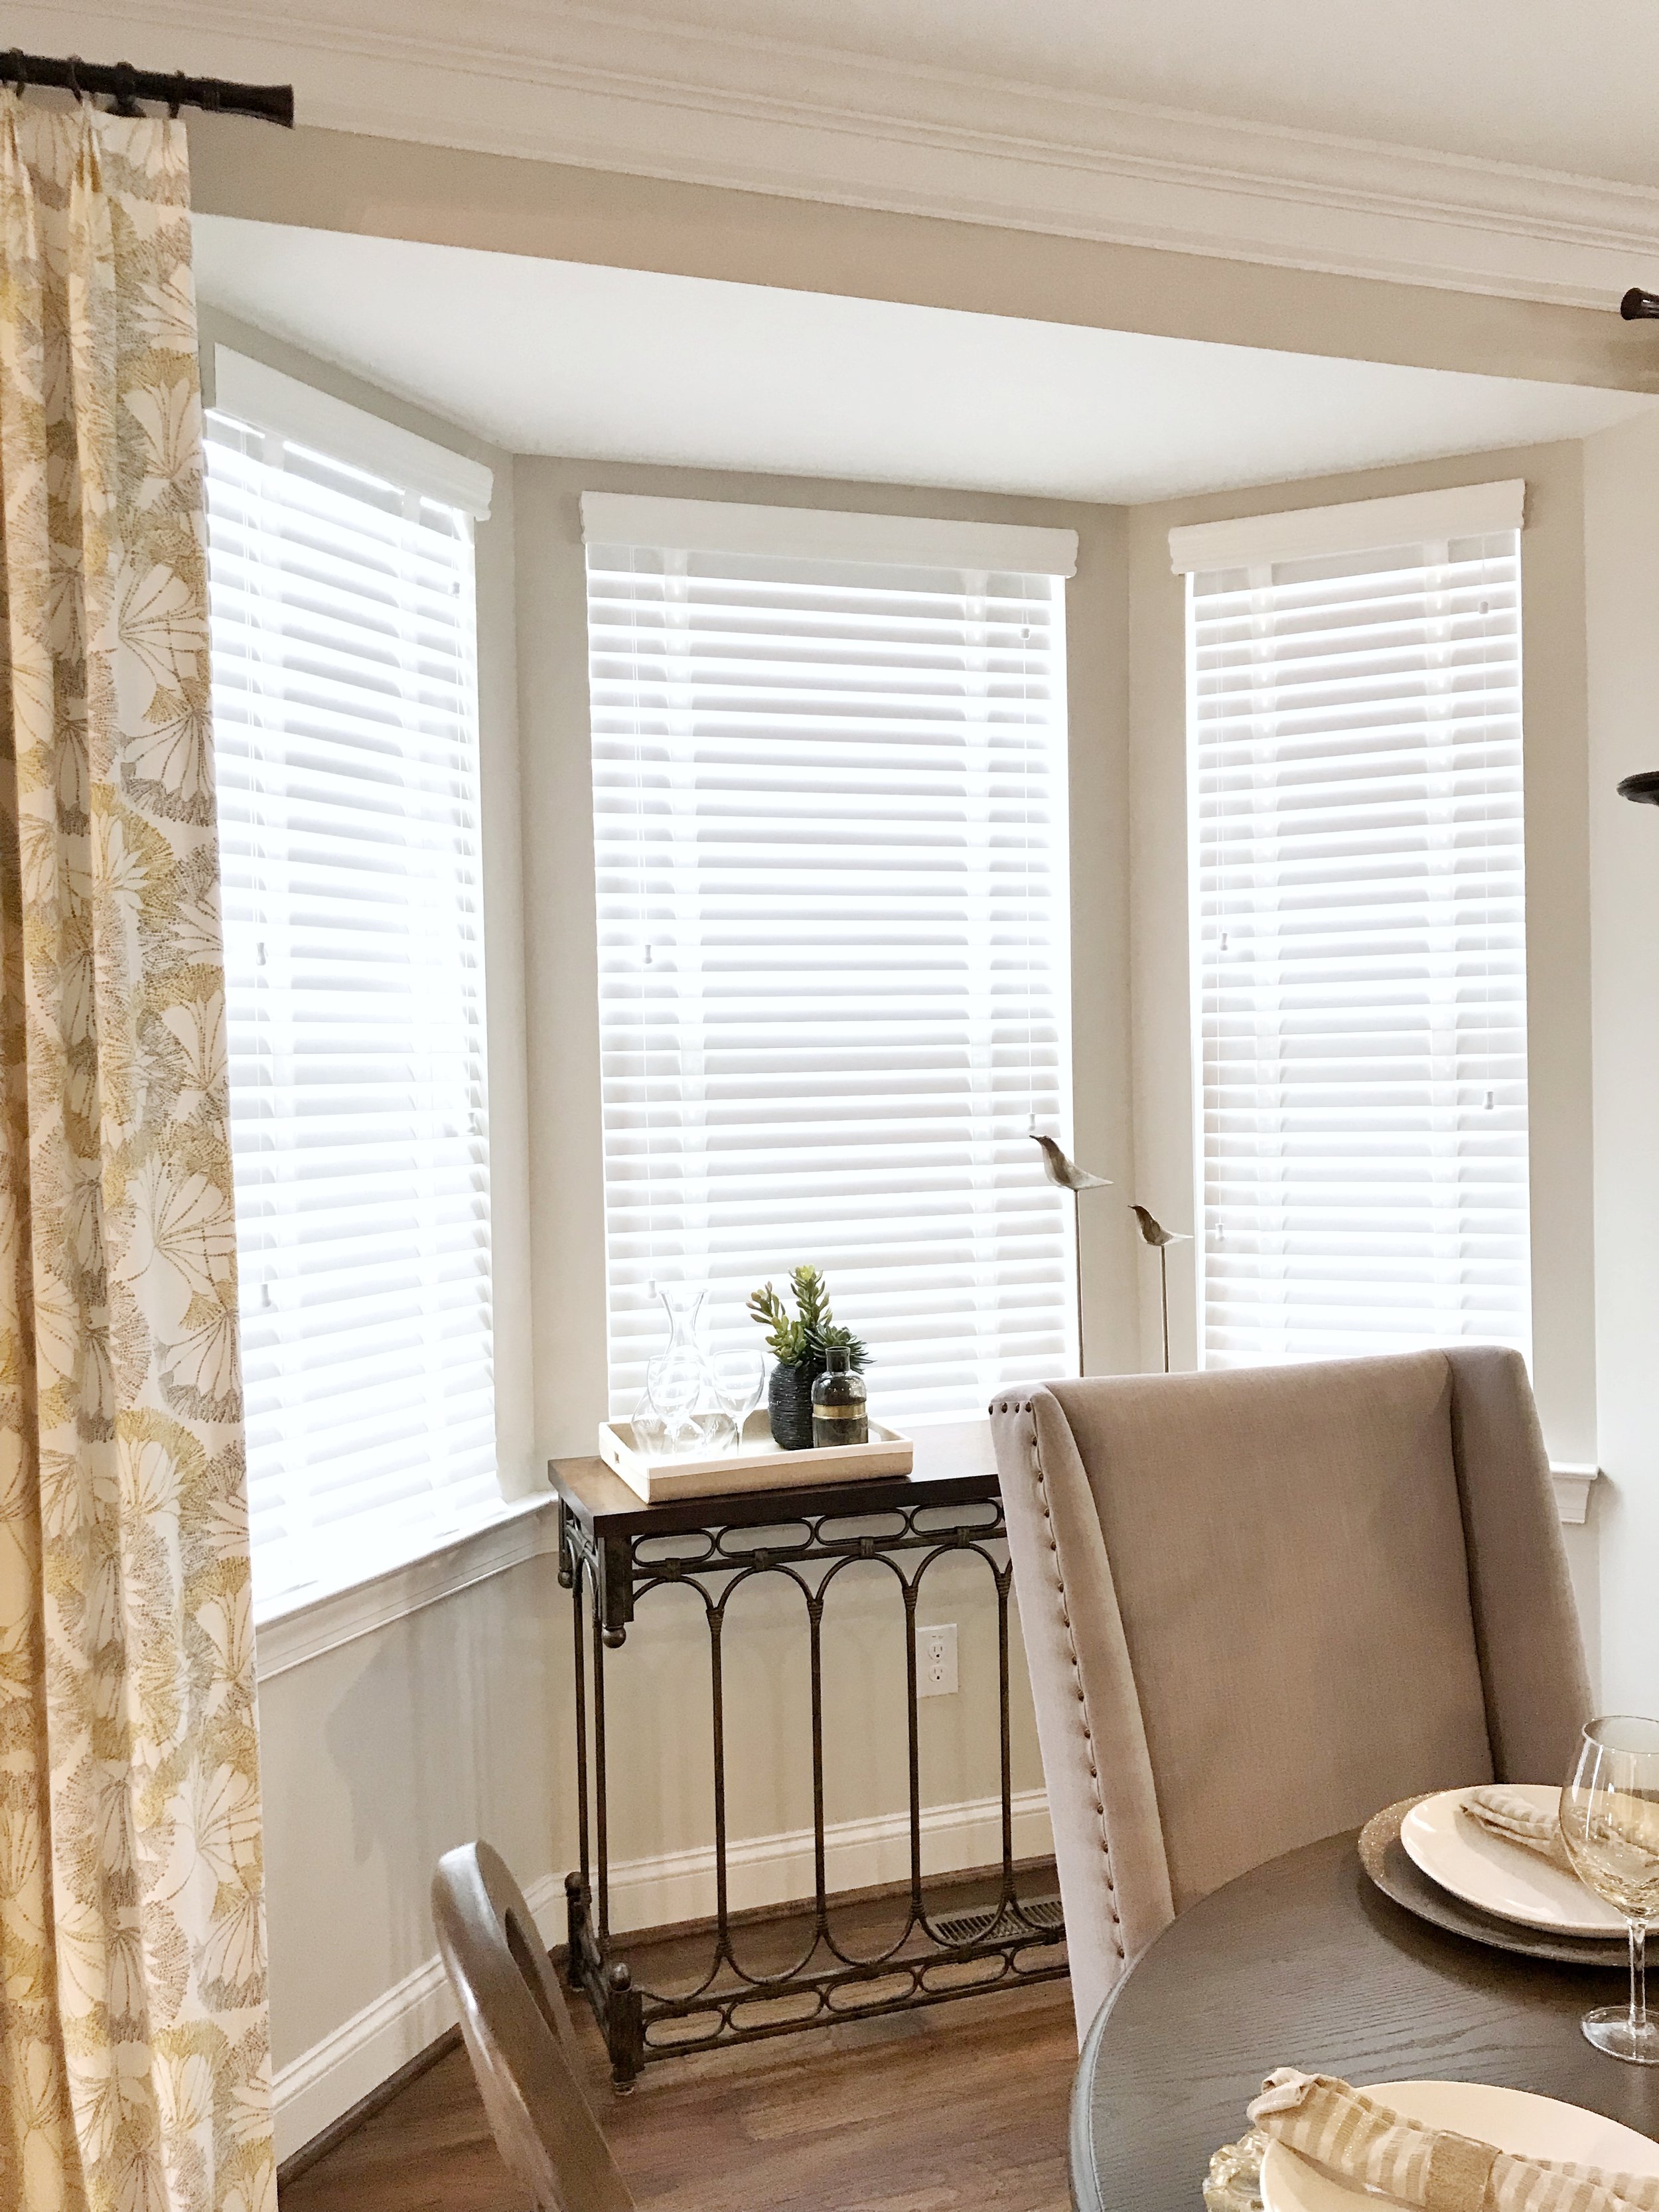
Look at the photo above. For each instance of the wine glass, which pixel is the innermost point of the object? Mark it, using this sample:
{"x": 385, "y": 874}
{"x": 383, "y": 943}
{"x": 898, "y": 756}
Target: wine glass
{"x": 739, "y": 1378}
{"x": 1610, "y": 1826}
{"x": 673, "y": 1384}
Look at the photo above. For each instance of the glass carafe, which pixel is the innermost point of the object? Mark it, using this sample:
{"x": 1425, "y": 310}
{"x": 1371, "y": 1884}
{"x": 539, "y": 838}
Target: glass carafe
{"x": 682, "y": 1398}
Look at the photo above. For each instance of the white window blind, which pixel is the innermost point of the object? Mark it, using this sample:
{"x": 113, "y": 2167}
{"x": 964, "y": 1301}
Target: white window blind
{"x": 345, "y": 735}
{"x": 830, "y": 836}
{"x": 1360, "y": 934}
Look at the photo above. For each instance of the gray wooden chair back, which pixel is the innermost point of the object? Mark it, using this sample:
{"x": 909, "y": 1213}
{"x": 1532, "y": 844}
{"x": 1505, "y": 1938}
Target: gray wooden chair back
{"x": 518, "y": 2037}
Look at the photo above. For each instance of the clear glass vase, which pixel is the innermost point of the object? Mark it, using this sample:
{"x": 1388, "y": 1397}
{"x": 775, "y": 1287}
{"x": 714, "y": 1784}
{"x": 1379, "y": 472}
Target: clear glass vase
{"x": 680, "y": 1411}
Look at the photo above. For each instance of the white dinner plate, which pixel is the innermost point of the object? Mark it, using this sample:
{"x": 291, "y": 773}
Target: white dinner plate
{"x": 1514, "y": 2119}
{"x": 1503, "y": 1878}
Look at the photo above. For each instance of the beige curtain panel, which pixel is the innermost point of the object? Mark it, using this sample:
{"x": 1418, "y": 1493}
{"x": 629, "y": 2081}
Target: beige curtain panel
{"x": 134, "y": 2061}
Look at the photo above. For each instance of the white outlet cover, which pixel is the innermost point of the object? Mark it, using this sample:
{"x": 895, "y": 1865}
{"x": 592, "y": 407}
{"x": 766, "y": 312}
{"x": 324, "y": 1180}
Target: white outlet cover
{"x": 936, "y": 1661}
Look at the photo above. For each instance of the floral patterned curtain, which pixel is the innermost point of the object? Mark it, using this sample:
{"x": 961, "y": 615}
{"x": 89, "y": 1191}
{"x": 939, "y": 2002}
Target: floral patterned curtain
{"x": 134, "y": 2064}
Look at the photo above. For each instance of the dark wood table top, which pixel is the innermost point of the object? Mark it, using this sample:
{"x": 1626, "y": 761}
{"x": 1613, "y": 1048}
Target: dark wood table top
{"x": 1303, "y": 1962}
{"x": 604, "y": 1504}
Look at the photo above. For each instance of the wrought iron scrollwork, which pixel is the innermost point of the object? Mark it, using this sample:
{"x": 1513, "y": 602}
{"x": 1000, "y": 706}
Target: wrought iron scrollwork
{"x": 934, "y": 1956}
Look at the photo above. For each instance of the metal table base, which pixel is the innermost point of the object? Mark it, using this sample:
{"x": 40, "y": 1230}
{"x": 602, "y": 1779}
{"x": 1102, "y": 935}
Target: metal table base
{"x": 614, "y": 1550}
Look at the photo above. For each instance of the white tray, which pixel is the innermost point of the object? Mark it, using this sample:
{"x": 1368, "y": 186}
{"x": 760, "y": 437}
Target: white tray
{"x": 759, "y": 1465}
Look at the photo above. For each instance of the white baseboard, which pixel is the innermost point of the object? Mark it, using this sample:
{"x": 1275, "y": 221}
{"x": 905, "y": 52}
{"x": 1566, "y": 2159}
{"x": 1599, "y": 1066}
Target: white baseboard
{"x": 314, "y": 2090}
{"x": 764, "y": 1870}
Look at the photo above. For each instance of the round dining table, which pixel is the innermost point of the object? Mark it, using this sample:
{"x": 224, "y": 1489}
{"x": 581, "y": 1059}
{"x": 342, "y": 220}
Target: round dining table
{"x": 1303, "y": 1962}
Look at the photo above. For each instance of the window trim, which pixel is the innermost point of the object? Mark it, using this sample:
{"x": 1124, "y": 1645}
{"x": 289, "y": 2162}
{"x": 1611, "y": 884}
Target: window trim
{"x": 302, "y": 1625}
{"x": 267, "y": 399}
{"x": 1362, "y": 525}
{"x": 795, "y": 536}
{"x": 818, "y": 533}
{"x": 1354, "y": 528}
{"x": 304, "y": 1619}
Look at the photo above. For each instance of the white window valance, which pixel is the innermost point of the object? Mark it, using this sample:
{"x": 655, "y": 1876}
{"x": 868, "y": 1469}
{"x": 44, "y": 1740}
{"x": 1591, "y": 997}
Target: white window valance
{"x": 811, "y": 533}
{"x": 265, "y": 399}
{"x": 1312, "y": 533}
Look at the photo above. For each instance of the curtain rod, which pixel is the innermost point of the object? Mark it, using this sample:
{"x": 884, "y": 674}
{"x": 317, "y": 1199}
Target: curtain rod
{"x": 266, "y": 103}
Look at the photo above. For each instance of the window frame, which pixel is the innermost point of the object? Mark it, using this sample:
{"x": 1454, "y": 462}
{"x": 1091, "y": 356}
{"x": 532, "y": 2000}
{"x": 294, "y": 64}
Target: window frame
{"x": 319, "y": 407}
{"x": 803, "y": 536}
{"x": 1475, "y": 512}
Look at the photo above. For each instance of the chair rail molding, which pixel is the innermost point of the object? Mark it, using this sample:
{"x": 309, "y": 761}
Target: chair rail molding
{"x": 304, "y": 1624}
{"x": 769, "y": 115}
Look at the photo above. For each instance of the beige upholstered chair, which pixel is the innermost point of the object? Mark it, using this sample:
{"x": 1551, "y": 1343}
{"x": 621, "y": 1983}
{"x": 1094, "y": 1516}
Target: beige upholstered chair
{"x": 518, "y": 2037}
{"x": 1260, "y": 1605}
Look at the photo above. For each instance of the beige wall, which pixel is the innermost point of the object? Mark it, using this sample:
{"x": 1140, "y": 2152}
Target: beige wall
{"x": 335, "y": 180}
{"x": 1621, "y": 517}
{"x": 379, "y": 1756}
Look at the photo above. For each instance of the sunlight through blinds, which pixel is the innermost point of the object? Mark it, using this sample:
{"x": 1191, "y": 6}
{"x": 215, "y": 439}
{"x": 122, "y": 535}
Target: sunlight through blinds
{"x": 1359, "y": 935}
{"x": 830, "y": 836}
{"x": 346, "y": 740}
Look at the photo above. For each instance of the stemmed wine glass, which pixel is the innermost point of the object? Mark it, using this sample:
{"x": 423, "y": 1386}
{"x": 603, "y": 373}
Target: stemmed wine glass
{"x": 739, "y": 1378}
{"x": 1610, "y": 1826}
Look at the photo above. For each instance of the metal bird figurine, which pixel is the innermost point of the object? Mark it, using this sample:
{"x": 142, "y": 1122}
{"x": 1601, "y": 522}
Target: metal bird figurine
{"x": 1154, "y": 1233}
{"x": 1061, "y": 1168}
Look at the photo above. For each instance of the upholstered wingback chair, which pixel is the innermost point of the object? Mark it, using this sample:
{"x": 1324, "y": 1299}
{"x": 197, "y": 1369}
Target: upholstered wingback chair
{"x": 1258, "y": 1604}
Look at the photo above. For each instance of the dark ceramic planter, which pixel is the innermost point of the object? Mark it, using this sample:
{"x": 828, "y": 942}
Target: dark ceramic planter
{"x": 789, "y": 1403}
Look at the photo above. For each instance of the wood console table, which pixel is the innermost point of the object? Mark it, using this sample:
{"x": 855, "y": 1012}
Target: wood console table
{"x": 613, "y": 1551}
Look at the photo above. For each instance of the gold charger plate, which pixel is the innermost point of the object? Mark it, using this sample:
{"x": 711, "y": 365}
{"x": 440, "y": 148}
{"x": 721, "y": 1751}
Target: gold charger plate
{"x": 1385, "y": 1860}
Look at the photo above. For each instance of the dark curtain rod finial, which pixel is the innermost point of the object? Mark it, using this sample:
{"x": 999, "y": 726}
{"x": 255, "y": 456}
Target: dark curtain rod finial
{"x": 126, "y": 85}
{"x": 1643, "y": 788}
{"x": 1639, "y": 307}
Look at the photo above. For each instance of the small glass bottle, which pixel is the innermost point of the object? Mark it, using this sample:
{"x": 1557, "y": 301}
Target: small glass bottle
{"x": 839, "y": 1411}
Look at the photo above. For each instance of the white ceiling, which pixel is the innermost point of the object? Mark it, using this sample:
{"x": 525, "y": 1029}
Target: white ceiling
{"x": 558, "y": 358}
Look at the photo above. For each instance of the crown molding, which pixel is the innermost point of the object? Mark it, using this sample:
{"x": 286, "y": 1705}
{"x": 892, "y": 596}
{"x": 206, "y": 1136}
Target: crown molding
{"x": 605, "y": 91}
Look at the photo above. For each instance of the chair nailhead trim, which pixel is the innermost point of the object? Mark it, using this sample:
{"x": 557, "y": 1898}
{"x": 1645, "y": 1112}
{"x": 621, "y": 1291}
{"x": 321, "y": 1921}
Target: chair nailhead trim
{"x": 1077, "y": 1678}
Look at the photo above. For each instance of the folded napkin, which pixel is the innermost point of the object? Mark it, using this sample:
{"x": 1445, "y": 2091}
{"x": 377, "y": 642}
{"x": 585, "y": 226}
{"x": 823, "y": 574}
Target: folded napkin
{"x": 1359, "y": 2141}
{"x": 1518, "y": 1820}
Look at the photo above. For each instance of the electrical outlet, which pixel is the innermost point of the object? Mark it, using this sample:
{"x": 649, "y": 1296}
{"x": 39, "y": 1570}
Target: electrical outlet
{"x": 936, "y": 1661}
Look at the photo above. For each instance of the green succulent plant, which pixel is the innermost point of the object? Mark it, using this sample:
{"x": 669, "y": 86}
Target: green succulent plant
{"x": 803, "y": 1339}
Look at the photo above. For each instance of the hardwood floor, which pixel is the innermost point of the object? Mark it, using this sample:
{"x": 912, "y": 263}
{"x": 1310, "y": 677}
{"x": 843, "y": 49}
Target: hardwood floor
{"x": 958, "y": 2108}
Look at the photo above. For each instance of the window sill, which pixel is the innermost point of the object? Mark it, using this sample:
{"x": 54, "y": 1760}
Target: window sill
{"x": 302, "y": 1625}
{"x": 299, "y": 1625}
{"x": 1573, "y": 1485}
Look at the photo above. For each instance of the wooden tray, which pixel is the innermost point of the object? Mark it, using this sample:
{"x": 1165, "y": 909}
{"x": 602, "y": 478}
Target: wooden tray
{"x": 1390, "y": 1865}
{"x": 759, "y": 1465}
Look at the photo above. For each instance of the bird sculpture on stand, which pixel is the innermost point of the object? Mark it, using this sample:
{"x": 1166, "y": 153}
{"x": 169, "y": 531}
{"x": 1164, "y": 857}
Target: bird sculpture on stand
{"x": 1154, "y": 1233}
{"x": 1061, "y": 1168}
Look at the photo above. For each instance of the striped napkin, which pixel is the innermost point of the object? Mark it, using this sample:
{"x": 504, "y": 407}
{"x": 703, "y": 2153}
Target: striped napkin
{"x": 1518, "y": 1820}
{"x": 1358, "y": 2141}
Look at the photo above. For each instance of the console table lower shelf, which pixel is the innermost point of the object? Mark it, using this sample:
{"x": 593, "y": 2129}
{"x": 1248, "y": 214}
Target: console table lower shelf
{"x": 614, "y": 1549}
